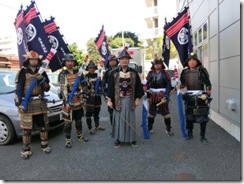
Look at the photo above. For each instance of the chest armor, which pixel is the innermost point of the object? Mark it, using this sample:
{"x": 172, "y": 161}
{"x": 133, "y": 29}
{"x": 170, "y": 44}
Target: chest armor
{"x": 71, "y": 79}
{"x": 125, "y": 84}
{"x": 37, "y": 90}
{"x": 193, "y": 81}
{"x": 157, "y": 81}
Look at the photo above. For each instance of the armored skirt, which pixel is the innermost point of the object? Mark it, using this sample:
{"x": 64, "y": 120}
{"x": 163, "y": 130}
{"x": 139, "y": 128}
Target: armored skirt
{"x": 124, "y": 125}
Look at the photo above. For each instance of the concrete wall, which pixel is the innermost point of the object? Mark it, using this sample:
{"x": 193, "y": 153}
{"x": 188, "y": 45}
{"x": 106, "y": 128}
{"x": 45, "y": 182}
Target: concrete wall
{"x": 223, "y": 17}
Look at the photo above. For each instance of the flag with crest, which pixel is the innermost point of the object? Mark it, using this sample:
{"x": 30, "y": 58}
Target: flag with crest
{"x": 179, "y": 32}
{"x": 102, "y": 46}
{"x": 21, "y": 36}
{"x": 166, "y": 47}
{"x": 57, "y": 42}
{"x": 36, "y": 36}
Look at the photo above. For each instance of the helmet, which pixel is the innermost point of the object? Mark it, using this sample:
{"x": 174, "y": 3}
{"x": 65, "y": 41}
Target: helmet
{"x": 68, "y": 57}
{"x": 32, "y": 55}
{"x": 158, "y": 61}
{"x": 193, "y": 55}
{"x": 110, "y": 58}
{"x": 124, "y": 53}
{"x": 91, "y": 64}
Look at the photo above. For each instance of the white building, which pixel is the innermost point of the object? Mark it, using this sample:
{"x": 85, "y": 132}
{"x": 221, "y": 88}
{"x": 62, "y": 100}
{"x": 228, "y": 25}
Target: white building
{"x": 8, "y": 45}
{"x": 155, "y": 14}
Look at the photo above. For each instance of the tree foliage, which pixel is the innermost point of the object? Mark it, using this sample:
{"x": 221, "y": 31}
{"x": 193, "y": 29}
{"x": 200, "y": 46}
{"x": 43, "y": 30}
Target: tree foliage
{"x": 78, "y": 54}
{"x": 117, "y": 42}
{"x": 129, "y": 37}
{"x": 93, "y": 52}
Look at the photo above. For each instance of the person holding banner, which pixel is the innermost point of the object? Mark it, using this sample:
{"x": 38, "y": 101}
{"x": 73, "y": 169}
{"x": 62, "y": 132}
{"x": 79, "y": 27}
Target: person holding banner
{"x": 94, "y": 100}
{"x": 73, "y": 108}
{"x": 113, "y": 64}
{"x": 37, "y": 110}
{"x": 158, "y": 92}
{"x": 195, "y": 79}
{"x": 124, "y": 93}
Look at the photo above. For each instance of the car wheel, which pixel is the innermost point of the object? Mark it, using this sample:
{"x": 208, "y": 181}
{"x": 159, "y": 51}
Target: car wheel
{"x": 7, "y": 132}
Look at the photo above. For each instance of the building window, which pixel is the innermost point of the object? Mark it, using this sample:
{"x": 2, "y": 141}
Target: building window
{"x": 200, "y": 35}
{"x": 201, "y": 43}
{"x": 156, "y": 23}
{"x": 155, "y": 2}
{"x": 195, "y": 39}
{"x": 205, "y": 31}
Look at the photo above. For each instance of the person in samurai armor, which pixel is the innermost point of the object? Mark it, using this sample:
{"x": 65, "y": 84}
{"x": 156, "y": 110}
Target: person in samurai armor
{"x": 158, "y": 94}
{"x": 93, "y": 101}
{"x": 124, "y": 93}
{"x": 35, "y": 113}
{"x": 113, "y": 64}
{"x": 73, "y": 106}
{"x": 195, "y": 78}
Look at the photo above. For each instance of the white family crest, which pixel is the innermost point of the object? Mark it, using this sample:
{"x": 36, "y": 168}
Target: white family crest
{"x": 167, "y": 42}
{"x": 30, "y": 32}
{"x": 54, "y": 41}
{"x": 104, "y": 48}
{"x": 183, "y": 36}
{"x": 19, "y": 34}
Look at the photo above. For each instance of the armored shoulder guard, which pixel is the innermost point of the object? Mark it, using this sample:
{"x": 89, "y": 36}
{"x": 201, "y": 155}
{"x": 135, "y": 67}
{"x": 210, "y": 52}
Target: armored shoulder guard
{"x": 19, "y": 73}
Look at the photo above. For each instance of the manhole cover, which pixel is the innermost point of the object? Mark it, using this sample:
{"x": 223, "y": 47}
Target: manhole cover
{"x": 180, "y": 156}
{"x": 184, "y": 176}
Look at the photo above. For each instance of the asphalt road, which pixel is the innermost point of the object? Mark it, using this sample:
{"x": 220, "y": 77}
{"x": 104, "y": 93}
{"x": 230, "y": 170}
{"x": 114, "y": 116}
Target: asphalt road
{"x": 160, "y": 158}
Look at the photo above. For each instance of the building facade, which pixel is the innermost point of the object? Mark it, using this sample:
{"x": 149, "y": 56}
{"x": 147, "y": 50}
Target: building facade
{"x": 216, "y": 38}
{"x": 8, "y": 45}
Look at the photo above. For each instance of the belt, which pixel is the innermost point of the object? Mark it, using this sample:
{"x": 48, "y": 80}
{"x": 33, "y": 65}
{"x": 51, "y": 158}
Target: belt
{"x": 39, "y": 97}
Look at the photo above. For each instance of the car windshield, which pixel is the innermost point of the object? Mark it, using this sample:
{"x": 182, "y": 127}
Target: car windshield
{"x": 7, "y": 82}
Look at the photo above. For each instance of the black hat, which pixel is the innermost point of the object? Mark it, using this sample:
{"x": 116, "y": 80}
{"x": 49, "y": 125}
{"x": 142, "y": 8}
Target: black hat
{"x": 193, "y": 55}
{"x": 32, "y": 55}
{"x": 91, "y": 64}
{"x": 158, "y": 61}
{"x": 68, "y": 57}
{"x": 124, "y": 53}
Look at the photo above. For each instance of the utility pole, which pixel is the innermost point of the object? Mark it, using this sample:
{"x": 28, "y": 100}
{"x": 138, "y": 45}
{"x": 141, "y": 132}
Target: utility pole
{"x": 123, "y": 41}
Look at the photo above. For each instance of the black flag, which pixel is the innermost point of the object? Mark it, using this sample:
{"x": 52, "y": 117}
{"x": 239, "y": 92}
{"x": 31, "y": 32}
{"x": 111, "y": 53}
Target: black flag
{"x": 21, "y": 36}
{"x": 166, "y": 47}
{"x": 179, "y": 32}
{"x": 102, "y": 46}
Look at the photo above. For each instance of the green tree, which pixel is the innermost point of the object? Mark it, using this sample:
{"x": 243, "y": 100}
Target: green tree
{"x": 130, "y": 35}
{"x": 93, "y": 52}
{"x": 78, "y": 54}
{"x": 117, "y": 42}
{"x": 151, "y": 51}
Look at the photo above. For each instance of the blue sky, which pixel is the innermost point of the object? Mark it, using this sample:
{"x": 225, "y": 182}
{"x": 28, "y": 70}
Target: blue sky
{"x": 80, "y": 20}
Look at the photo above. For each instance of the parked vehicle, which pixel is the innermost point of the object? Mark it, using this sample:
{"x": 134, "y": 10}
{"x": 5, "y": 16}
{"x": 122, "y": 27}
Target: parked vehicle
{"x": 9, "y": 116}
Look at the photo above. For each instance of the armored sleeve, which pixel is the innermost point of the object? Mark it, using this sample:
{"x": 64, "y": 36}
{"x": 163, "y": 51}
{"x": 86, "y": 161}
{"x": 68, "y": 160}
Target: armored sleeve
{"x": 205, "y": 78}
{"x": 45, "y": 84}
{"x": 168, "y": 83}
{"x": 63, "y": 86}
{"x": 20, "y": 82}
{"x": 182, "y": 78}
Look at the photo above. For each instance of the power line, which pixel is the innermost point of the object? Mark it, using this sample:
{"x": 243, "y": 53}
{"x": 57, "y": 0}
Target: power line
{"x": 4, "y": 5}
